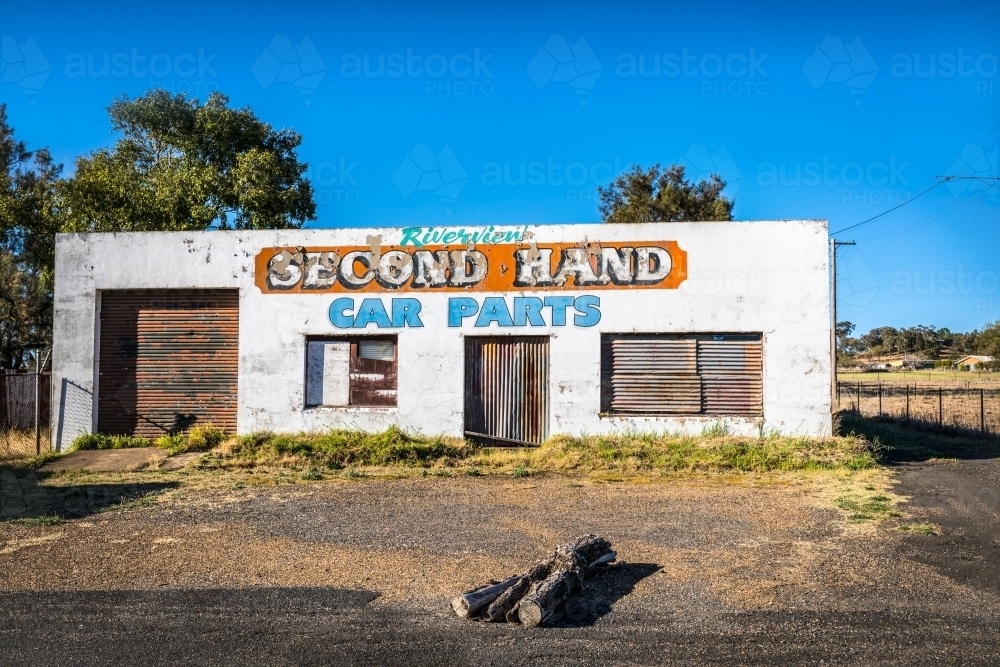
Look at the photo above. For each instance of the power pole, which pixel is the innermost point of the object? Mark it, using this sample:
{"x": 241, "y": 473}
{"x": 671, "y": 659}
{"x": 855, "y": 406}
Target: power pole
{"x": 834, "y": 244}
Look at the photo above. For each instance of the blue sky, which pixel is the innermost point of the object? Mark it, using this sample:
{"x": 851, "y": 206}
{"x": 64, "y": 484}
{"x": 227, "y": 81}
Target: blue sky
{"x": 514, "y": 113}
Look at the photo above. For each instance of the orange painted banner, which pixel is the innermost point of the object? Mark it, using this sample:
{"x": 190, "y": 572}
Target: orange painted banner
{"x": 526, "y": 266}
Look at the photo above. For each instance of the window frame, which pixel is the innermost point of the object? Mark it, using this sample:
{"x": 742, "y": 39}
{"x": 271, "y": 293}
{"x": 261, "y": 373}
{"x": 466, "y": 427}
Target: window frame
{"x": 358, "y": 367}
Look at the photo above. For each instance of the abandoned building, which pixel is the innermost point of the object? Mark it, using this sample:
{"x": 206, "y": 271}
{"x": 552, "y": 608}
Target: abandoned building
{"x": 500, "y": 333}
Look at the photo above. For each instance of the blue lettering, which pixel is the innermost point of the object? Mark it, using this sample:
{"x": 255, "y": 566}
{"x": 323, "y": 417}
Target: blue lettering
{"x": 494, "y": 310}
{"x": 406, "y": 313}
{"x": 558, "y": 304}
{"x": 372, "y": 312}
{"x": 589, "y": 313}
{"x": 339, "y": 316}
{"x": 459, "y": 308}
{"x": 528, "y": 310}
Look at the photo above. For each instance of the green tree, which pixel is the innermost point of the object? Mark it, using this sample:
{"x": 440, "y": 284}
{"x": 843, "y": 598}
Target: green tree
{"x": 988, "y": 343}
{"x": 183, "y": 165}
{"x": 663, "y": 195}
{"x": 29, "y": 219}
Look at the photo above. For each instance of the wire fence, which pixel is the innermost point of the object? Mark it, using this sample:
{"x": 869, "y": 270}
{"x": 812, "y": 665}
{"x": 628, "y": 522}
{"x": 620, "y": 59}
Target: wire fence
{"x": 963, "y": 408}
{"x": 24, "y": 413}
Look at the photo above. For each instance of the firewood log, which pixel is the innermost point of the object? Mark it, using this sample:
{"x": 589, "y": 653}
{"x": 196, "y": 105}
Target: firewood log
{"x": 470, "y": 602}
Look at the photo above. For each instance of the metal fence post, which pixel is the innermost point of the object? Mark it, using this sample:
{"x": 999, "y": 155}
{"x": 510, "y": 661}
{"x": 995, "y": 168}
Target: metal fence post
{"x": 940, "y": 405}
{"x": 859, "y": 398}
{"x": 880, "y": 399}
{"x": 982, "y": 413}
{"x": 907, "y": 402}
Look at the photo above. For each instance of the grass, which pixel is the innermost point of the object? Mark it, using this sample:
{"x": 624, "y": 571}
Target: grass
{"x": 641, "y": 453}
{"x": 198, "y": 439}
{"x": 20, "y": 443}
{"x": 38, "y": 521}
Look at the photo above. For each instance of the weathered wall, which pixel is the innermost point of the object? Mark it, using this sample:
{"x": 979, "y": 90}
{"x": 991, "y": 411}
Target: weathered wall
{"x": 769, "y": 277}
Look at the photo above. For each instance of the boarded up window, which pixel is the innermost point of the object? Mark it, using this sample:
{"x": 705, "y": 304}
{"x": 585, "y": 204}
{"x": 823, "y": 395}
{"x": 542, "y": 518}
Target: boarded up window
{"x": 672, "y": 374}
{"x": 351, "y": 371}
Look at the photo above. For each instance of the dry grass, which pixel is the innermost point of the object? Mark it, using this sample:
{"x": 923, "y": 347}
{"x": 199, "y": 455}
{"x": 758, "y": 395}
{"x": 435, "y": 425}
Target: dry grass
{"x": 15, "y": 444}
{"x": 954, "y": 407}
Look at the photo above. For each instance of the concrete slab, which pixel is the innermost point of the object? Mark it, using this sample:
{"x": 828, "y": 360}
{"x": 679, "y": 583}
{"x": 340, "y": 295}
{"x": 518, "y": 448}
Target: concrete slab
{"x": 178, "y": 461}
{"x": 106, "y": 460}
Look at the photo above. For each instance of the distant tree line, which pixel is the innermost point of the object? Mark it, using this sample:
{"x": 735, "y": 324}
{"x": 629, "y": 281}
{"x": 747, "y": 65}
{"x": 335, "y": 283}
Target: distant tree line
{"x": 925, "y": 342}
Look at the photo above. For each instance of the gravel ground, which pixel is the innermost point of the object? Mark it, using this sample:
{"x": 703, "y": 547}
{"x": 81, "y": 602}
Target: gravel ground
{"x": 719, "y": 571}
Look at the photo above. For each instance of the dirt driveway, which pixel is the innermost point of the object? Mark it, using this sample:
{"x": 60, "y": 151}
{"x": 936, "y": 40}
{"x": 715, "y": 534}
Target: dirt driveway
{"x": 720, "y": 571}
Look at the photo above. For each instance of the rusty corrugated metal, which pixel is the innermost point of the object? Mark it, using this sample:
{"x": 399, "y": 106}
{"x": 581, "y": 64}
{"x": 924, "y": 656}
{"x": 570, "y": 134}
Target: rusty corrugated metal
{"x": 507, "y": 389}
{"x": 649, "y": 374}
{"x": 669, "y": 374}
{"x": 168, "y": 360}
{"x": 731, "y": 377}
{"x": 373, "y": 381}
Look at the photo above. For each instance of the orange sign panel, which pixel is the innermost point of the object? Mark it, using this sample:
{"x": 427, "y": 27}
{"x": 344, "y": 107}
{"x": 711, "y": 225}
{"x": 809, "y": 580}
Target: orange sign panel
{"x": 524, "y": 266}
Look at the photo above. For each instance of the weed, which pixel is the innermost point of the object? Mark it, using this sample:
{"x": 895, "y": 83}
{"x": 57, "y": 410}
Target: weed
{"x": 522, "y": 471}
{"x": 353, "y": 474}
{"x": 920, "y": 528}
{"x": 312, "y": 475}
{"x": 104, "y": 441}
{"x": 473, "y": 472}
{"x": 50, "y": 520}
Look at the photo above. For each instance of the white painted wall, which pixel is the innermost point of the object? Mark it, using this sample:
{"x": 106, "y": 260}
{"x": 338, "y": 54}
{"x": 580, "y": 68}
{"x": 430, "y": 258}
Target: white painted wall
{"x": 770, "y": 277}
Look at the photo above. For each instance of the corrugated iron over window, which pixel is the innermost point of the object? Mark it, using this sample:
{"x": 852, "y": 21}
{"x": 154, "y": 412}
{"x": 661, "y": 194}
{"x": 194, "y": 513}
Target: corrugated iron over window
{"x": 168, "y": 360}
{"x": 507, "y": 389}
{"x": 673, "y": 374}
{"x": 374, "y": 373}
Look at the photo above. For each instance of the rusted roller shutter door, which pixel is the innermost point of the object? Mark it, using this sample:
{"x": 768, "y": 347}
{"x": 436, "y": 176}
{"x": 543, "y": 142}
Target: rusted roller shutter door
{"x": 168, "y": 361}
{"x": 507, "y": 389}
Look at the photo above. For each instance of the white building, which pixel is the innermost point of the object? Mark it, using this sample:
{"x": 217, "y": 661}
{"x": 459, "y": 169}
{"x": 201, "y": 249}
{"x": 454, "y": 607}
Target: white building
{"x": 507, "y": 334}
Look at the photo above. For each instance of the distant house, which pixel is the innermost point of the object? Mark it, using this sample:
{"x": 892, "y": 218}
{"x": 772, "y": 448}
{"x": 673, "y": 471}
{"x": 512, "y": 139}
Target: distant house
{"x": 971, "y": 362}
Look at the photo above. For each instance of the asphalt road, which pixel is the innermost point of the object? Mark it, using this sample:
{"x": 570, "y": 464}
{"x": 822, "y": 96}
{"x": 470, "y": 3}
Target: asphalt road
{"x": 892, "y": 599}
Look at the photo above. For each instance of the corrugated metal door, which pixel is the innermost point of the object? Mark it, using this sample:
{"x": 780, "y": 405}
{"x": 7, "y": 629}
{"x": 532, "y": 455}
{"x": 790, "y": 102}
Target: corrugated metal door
{"x": 168, "y": 360}
{"x": 649, "y": 374}
{"x": 731, "y": 373}
{"x": 507, "y": 389}
{"x": 682, "y": 374}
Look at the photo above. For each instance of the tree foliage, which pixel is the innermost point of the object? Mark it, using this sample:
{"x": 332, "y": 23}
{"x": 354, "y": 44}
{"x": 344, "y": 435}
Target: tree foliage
{"x": 663, "y": 195}
{"x": 182, "y": 165}
{"x": 29, "y": 220}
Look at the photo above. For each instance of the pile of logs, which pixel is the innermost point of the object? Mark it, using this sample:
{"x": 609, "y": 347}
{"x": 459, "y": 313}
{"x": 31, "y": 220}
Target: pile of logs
{"x": 538, "y": 595}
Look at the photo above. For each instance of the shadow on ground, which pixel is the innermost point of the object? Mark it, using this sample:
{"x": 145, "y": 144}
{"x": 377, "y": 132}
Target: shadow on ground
{"x": 24, "y": 496}
{"x": 600, "y": 594}
{"x": 908, "y": 442}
